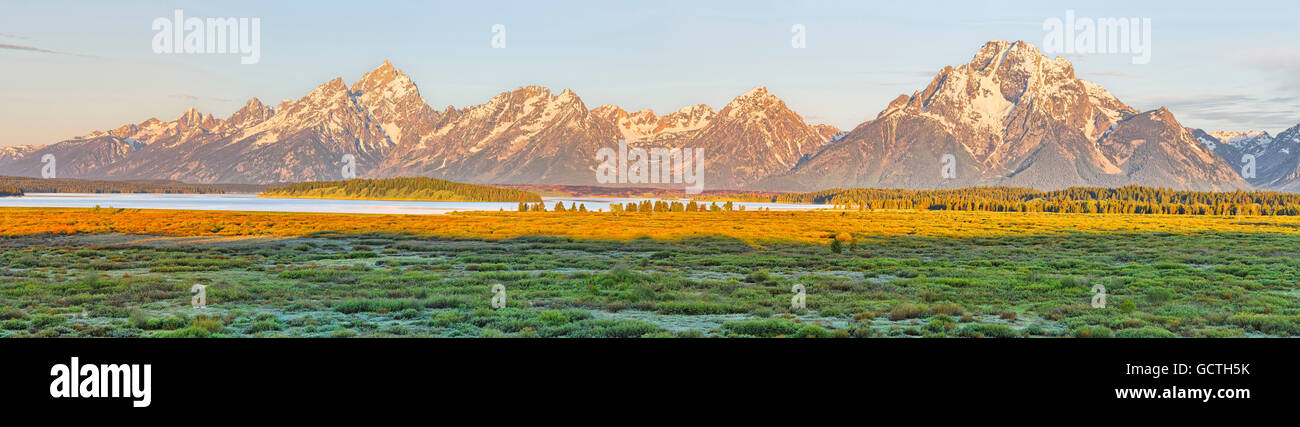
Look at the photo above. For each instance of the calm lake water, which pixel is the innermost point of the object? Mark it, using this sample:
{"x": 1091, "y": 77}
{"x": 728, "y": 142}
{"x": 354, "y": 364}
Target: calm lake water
{"x": 250, "y": 202}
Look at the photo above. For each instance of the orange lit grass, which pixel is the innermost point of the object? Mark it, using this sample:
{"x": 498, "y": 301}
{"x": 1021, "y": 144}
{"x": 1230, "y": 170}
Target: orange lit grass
{"x": 752, "y": 227}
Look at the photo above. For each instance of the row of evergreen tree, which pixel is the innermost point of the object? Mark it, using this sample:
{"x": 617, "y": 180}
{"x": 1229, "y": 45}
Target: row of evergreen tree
{"x": 1129, "y": 200}
{"x": 10, "y": 190}
{"x": 559, "y": 207}
{"x": 413, "y": 188}
{"x": 643, "y": 206}
{"x": 72, "y": 185}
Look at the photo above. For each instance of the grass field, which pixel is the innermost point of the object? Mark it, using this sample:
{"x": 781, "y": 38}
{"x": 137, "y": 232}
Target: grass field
{"x": 121, "y": 273}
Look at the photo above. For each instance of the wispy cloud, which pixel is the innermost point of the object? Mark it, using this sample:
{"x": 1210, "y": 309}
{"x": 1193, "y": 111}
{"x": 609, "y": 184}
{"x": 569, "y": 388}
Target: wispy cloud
{"x": 26, "y": 48}
{"x": 14, "y": 36}
{"x": 1280, "y": 68}
{"x": 1230, "y": 111}
{"x": 1282, "y": 62}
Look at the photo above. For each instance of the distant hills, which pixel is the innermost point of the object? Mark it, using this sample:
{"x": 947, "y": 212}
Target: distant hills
{"x": 1276, "y": 159}
{"x": 1010, "y": 116}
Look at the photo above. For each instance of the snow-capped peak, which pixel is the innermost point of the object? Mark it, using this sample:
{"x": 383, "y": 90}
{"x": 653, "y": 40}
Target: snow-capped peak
{"x": 1234, "y": 137}
{"x": 756, "y": 92}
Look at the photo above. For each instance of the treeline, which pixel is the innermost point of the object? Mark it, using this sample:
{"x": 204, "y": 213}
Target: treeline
{"x": 559, "y": 207}
{"x": 9, "y": 190}
{"x": 413, "y": 188}
{"x": 71, "y": 185}
{"x": 644, "y": 206}
{"x": 1126, "y": 200}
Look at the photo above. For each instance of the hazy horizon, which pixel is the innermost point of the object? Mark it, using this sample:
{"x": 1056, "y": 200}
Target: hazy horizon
{"x": 71, "y": 69}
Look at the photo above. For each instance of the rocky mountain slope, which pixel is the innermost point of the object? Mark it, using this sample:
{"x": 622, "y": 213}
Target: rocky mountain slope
{"x": 1009, "y": 116}
{"x": 1276, "y": 159}
{"x": 1012, "y": 116}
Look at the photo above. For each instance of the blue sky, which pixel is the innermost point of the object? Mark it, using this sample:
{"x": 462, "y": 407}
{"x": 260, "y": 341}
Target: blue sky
{"x": 68, "y": 68}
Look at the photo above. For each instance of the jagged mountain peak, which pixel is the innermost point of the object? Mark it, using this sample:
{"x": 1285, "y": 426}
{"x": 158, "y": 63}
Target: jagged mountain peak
{"x": 333, "y": 86}
{"x": 609, "y": 112}
{"x": 1010, "y": 116}
{"x": 1235, "y": 137}
{"x": 895, "y": 105}
{"x": 251, "y": 114}
{"x": 754, "y": 136}
{"x": 528, "y": 99}
{"x": 1006, "y": 83}
{"x": 756, "y": 91}
{"x": 1290, "y": 137}
{"x": 193, "y": 119}
{"x": 531, "y": 91}
{"x": 646, "y": 114}
{"x": 998, "y": 53}
{"x": 1162, "y": 114}
{"x": 756, "y": 104}
{"x": 645, "y": 125}
{"x": 394, "y": 102}
{"x": 389, "y": 80}
{"x": 695, "y": 109}
{"x": 192, "y": 116}
{"x": 991, "y": 52}
{"x": 829, "y": 133}
{"x": 687, "y": 118}
{"x": 759, "y": 95}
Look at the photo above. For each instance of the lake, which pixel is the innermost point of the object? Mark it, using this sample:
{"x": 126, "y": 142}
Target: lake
{"x": 250, "y": 202}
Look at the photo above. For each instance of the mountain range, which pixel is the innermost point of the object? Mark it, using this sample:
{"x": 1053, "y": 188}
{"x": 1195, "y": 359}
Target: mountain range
{"x": 1010, "y": 116}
